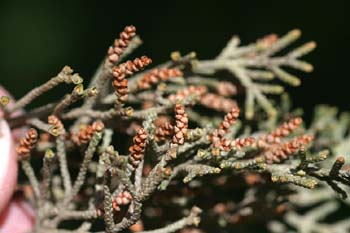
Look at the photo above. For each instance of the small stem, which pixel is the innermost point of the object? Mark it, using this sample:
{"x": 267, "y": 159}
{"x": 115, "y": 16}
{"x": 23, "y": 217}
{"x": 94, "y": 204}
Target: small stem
{"x": 48, "y": 159}
{"x": 191, "y": 219}
{"x": 68, "y": 100}
{"x": 21, "y": 120}
{"x": 40, "y": 125}
{"x": 29, "y": 171}
{"x": 62, "y": 158}
{"x": 108, "y": 209}
{"x": 89, "y": 153}
{"x": 64, "y": 76}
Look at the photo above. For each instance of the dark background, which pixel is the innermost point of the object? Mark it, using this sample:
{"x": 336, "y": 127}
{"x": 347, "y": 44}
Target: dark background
{"x": 37, "y": 38}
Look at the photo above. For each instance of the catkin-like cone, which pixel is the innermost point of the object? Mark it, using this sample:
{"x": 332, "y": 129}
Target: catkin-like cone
{"x": 164, "y": 131}
{"x": 283, "y": 131}
{"x": 217, "y": 137}
{"x": 120, "y": 83}
{"x": 85, "y": 134}
{"x": 137, "y": 150}
{"x": 120, "y": 44}
{"x": 157, "y": 75}
{"x": 181, "y": 125}
{"x": 27, "y": 143}
{"x": 281, "y": 152}
{"x": 184, "y": 93}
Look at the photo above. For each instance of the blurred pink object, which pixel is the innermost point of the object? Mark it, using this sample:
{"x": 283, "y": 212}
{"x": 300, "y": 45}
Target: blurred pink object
{"x": 18, "y": 217}
{"x": 11, "y": 211}
{"x": 8, "y": 165}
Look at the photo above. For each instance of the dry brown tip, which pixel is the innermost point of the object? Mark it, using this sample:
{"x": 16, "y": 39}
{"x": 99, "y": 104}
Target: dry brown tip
{"x": 341, "y": 159}
{"x": 98, "y": 126}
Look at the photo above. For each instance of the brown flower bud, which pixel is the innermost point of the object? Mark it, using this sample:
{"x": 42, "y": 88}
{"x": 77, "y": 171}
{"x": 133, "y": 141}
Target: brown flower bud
{"x": 244, "y": 142}
{"x": 229, "y": 119}
{"x": 217, "y": 137}
{"x": 217, "y": 102}
{"x": 120, "y": 83}
{"x": 86, "y": 133}
{"x": 123, "y": 198}
{"x": 57, "y": 124}
{"x": 27, "y": 143}
{"x": 184, "y": 93}
{"x": 119, "y": 46}
{"x": 157, "y": 75}
{"x": 181, "y": 125}
{"x": 282, "y": 131}
{"x": 282, "y": 151}
{"x": 239, "y": 143}
{"x": 137, "y": 150}
{"x": 164, "y": 131}
{"x": 226, "y": 89}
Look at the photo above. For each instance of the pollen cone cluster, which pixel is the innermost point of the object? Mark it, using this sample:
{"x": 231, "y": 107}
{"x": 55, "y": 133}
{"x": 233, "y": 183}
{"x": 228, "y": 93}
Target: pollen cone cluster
{"x": 57, "y": 125}
{"x": 217, "y": 137}
{"x": 181, "y": 125}
{"x": 282, "y": 131}
{"x": 120, "y": 83}
{"x": 157, "y": 75}
{"x": 164, "y": 131}
{"x": 85, "y": 133}
{"x": 137, "y": 150}
{"x": 184, "y": 93}
{"x": 123, "y": 198}
{"x": 281, "y": 152}
{"x": 120, "y": 44}
{"x": 27, "y": 143}
{"x": 217, "y": 102}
